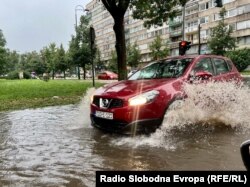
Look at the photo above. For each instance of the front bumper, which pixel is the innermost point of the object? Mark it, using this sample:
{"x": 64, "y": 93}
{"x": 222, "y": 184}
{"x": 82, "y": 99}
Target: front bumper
{"x": 136, "y": 127}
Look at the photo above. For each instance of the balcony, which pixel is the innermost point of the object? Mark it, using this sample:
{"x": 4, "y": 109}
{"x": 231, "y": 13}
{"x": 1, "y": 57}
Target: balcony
{"x": 174, "y": 23}
{"x": 194, "y": 15}
{"x": 175, "y": 33}
{"x": 191, "y": 4}
{"x": 174, "y": 45}
{"x": 191, "y": 30}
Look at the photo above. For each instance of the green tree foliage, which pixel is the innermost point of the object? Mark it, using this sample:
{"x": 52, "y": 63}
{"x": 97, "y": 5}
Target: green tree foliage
{"x": 51, "y": 53}
{"x": 220, "y": 39}
{"x": 133, "y": 55}
{"x": 79, "y": 48}
{"x": 61, "y": 61}
{"x": 112, "y": 64}
{"x": 12, "y": 61}
{"x": 158, "y": 49}
{"x": 32, "y": 62}
{"x": 3, "y": 53}
{"x": 48, "y": 55}
{"x": 240, "y": 58}
{"x": 153, "y": 12}
{"x": 99, "y": 64}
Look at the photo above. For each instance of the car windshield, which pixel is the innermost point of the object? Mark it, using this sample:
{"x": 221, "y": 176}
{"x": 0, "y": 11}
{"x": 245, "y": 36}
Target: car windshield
{"x": 170, "y": 68}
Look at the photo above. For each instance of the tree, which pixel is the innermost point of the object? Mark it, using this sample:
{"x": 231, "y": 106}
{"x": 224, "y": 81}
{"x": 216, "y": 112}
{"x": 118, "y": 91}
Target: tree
{"x": 32, "y": 62}
{"x": 52, "y": 58}
{"x": 79, "y": 48}
{"x": 154, "y": 12}
{"x": 48, "y": 55}
{"x": 112, "y": 64}
{"x": 134, "y": 55}
{"x": 117, "y": 9}
{"x": 158, "y": 49}
{"x": 61, "y": 61}
{"x": 12, "y": 59}
{"x": 3, "y": 52}
{"x": 221, "y": 39}
{"x": 97, "y": 61}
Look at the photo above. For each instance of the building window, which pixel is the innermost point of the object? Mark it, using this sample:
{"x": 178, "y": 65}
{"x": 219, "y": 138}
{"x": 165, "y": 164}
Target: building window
{"x": 243, "y": 25}
{"x": 244, "y": 40}
{"x": 244, "y": 9}
{"x": 204, "y": 20}
{"x": 204, "y": 6}
{"x": 232, "y": 12}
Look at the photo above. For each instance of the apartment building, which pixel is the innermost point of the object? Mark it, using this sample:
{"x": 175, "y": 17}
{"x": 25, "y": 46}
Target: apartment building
{"x": 199, "y": 17}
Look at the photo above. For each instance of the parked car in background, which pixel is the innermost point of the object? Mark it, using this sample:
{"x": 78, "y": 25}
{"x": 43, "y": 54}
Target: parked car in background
{"x": 141, "y": 102}
{"x": 107, "y": 75}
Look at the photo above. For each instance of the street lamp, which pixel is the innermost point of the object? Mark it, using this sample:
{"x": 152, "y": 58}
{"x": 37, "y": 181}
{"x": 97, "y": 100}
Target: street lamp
{"x": 78, "y": 7}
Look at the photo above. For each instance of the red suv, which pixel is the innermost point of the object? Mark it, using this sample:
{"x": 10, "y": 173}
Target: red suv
{"x": 140, "y": 103}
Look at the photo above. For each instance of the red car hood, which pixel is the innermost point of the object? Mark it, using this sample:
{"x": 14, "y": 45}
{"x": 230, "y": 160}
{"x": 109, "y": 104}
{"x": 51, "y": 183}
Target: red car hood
{"x": 130, "y": 88}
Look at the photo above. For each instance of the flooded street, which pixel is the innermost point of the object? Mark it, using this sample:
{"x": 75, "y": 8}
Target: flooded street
{"x": 57, "y": 146}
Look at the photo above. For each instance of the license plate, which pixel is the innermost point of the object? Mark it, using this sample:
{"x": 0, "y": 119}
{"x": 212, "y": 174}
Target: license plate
{"x": 105, "y": 115}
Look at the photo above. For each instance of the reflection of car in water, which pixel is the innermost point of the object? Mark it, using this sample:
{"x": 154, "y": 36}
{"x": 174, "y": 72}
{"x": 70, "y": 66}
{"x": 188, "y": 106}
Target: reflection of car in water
{"x": 140, "y": 103}
{"x": 245, "y": 154}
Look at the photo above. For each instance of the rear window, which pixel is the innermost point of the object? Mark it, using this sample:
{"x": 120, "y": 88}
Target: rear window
{"x": 220, "y": 65}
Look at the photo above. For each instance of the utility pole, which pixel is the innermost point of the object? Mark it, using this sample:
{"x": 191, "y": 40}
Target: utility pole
{"x": 199, "y": 39}
{"x": 183, "y": 22}
{"x": 92, "y": 42}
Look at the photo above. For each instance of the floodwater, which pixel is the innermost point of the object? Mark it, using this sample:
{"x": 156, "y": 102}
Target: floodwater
{"x": 56, "y": 146}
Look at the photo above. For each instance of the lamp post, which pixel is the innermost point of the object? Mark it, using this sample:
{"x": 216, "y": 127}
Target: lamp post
{"x": 78, "y": 7}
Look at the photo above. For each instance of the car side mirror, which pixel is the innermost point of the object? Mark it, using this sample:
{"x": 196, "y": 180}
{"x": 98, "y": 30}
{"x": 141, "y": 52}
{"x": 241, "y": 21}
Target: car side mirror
{"x": 203, "y": 75}
{"x": 245, "y": 153}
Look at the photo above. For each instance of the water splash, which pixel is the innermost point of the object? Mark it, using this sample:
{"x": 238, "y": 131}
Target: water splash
{"x": 219, "y": 104}
{"x": 82, "y": 119}
{"x": 208, "y": 108}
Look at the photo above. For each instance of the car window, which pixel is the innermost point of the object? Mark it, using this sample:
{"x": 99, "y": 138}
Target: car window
{"x": 149, "y": 72}
{"x": 204, "y": 64}
{"x": 165, "y": 69}
{"x": 220, "y": 65}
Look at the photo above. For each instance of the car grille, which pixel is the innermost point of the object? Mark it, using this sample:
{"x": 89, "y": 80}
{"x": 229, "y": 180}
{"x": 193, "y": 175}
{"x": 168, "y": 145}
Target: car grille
{"x": 109, "y": 103}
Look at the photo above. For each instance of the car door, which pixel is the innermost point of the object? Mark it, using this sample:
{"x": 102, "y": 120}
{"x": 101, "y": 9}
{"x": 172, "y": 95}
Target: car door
{"x": 204, "y": 65}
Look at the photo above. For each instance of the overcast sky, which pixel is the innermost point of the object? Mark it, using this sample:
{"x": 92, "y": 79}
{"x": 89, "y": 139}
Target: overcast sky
{"x": 30, "y": 25}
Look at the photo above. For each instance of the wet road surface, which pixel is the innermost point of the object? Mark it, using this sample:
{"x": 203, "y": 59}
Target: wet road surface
{"x": 56, "y": 146}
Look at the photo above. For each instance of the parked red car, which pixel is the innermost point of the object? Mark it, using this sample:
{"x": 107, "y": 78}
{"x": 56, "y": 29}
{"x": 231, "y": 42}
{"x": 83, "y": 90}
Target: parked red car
{"x": 107, "y": 75}
{"x": 142, "y": 101}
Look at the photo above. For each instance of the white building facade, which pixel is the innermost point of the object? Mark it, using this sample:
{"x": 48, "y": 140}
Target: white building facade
{"x": 200, "y": 16}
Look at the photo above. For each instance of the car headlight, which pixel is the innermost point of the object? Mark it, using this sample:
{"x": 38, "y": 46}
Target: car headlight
{"x": 144, "y": 98}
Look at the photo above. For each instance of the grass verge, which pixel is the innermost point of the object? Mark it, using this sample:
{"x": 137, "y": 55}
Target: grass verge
{"x": 245, "y": 72}
{"x": 22, "y": 94}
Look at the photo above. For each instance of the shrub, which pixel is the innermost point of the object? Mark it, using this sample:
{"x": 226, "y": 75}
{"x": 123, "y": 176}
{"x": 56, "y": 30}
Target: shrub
{"x": 15, "y": 75}
{"x": 240, "y": 58}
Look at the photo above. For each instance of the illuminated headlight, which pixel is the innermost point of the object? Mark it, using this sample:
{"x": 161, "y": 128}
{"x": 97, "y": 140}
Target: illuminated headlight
{"x": 144, "y": 98}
